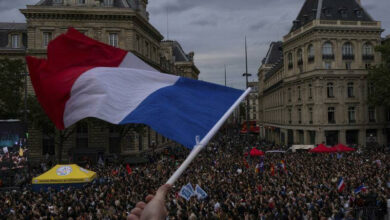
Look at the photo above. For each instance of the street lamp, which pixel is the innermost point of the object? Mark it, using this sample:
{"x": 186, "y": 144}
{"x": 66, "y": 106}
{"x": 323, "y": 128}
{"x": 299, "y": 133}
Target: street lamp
{"x": 246, "y": 74}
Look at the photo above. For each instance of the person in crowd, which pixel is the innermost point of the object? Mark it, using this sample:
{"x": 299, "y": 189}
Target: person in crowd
{"x": 305, "y": 187}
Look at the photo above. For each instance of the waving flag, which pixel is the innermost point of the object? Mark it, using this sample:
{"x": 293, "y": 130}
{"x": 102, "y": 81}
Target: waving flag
{"x": 272, "y": 170}
{"x": 361, "y": 188}
{"x": 283, "y": 166}
{"x": 341, "y": 185}
{"x": 84, "y": 78}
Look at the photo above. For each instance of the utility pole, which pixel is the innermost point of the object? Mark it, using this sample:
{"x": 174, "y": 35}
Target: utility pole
{"x": 246, "y": 74}
{"x": 225, "y": 75}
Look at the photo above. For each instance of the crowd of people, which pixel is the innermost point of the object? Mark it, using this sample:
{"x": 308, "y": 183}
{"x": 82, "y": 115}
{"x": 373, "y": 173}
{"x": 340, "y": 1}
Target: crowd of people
{"x": 304, "y": 187}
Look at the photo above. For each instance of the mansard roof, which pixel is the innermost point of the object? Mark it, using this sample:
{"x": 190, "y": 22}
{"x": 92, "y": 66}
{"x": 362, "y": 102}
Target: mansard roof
{"x": 7, "y": 28}
{"x": 347, "y": 10}
{"x": 274, "y": 54}
{"x": 116, "y": 3}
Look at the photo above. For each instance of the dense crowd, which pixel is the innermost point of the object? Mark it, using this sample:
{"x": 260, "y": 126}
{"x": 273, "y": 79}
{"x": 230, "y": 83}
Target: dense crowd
{"x": 306, "y": 189}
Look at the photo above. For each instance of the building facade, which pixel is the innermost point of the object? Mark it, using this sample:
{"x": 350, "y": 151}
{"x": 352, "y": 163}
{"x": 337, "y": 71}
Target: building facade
{"x": 119, "y": 23}
{"x": 317, "y": 90}
{"x": 253, "y": 101}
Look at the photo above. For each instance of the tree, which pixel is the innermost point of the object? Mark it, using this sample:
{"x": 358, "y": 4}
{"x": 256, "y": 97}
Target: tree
{"x": 11, "y": 88}
{"x": 379, "y": 78}
{"x": 39, "y": 120}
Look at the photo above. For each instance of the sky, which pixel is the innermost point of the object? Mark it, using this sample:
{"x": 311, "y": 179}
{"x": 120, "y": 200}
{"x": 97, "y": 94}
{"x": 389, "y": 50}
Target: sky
{"x": 215, "y": 29}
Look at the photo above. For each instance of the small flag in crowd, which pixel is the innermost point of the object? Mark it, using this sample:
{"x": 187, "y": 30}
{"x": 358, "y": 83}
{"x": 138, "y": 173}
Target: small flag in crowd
{"x": 185, "y": 193}
{"x": 283, "y": 165}
{"x": 200, "y": 193}
{"x": 128, "y": 168}
{"x": 81, "y": 74}
{"x": 341, "y": 185}
{"x": 20, "y": 152}
{"x": 361, "y": 188}
{"x": 189, "y": 187}
{"x": 5, "y": 150}
{"x": 272, "y": 169}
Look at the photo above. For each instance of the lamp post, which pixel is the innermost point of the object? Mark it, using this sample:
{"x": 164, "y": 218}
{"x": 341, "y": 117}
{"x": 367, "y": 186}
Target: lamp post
{"x": 246, "y": 74}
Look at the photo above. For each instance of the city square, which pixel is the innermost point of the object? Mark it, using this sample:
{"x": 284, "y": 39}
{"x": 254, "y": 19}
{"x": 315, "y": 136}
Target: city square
{"x": 105, "y": 117}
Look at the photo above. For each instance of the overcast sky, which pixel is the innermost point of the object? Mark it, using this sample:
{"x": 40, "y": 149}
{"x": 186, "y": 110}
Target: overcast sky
{"x": 215, "y": 29}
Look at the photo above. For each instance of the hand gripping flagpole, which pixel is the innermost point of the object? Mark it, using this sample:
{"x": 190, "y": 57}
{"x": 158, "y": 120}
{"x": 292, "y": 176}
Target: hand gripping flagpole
{"x": 199, "y": 147}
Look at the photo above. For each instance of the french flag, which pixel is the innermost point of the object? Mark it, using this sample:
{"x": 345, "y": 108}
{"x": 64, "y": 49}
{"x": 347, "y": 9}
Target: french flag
{"x": 361, "y": 188}
{"x": 341, "y": 185}
{"x": 84, "y": 78}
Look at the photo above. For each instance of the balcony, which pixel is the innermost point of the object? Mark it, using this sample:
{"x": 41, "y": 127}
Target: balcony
{"x": 368, "y": 57}
{"x": 328, "y": 56}
{"x": 348, "y": 57}
{"x": 310, "y": 59}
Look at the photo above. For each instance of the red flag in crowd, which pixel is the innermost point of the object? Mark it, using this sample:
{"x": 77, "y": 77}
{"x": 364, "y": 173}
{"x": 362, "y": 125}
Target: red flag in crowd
{"x": 128, "y": 168}
{"x": 272, "y": 170}
{"x": 115, "y": 172}
{"x": 259, "y": 188}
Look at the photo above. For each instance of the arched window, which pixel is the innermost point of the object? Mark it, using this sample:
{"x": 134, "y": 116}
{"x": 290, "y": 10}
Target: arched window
{"x": 347, "y": 51}
{"x": 290, "y": 61}
{"x": 327, "y": 51}
{"x": 310, "y": 53}
{"x": 330, "y": 90}
{"x": 368, "y": 52}
{"x": 299, "y": 57}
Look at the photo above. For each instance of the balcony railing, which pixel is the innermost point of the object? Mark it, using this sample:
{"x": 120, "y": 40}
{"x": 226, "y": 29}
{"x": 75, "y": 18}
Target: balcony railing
{"x": 310, "y": 59}
{"x": 368, "y": 57}
{"x": 328, "y": 56}
{"x": 348, "y": 57}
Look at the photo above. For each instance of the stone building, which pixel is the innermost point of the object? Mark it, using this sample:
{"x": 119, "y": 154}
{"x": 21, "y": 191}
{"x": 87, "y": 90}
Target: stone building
{"x": 120, "y": 23}
{"x": 314, "y": 89}
{"x": 253, "y": 100}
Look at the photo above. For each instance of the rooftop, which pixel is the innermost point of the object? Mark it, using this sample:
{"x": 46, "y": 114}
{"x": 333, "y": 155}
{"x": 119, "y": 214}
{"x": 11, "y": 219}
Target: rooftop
{"x": 344, "y": 10}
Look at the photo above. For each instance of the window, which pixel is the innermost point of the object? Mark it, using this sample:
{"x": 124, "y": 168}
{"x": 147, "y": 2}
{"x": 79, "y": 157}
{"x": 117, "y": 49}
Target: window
{"x": 310, "y": 115}
{"x": 348, "y": 65}
{"x": 113, "y": 39}
{"x": 82, "y": 135}
{"x": 58, "y": 1}
{"x": 327, "y": 51}
{"x": 371, "y": 114}
{"x": 299, "y": 57}
{"x": 147, "y": 51}
{"x": 310, "y": 91}
{"x": 289, "y": 116}
{"x": 330, "y": 90}
{"x": 15, "y": 41}
{"x": 138, "y": 43}
{"x": 290, "y": 61}
{"x": 108, "y": 2}
{"x": 351, "y": 115}
{"x": 370, "y": 89}
{"x": 343, "y": 12}
{"x": 48, "y": 146}
{"x": 368, "y": 52}
{"x": 310, "y": 53}
{"x": 331, "y": 115}
{"x": 350, "y": 90}
{"x": 47, "y": 36}
{"x": 81, "y": 2}
{"x": 299, "y": 93}
{"x": 300, "y": 116}
{"x": 347, "y": 51}
{"x": 289, "y": 94}
{"x": 328, "y": 65}
{"x": 358, "y": 13}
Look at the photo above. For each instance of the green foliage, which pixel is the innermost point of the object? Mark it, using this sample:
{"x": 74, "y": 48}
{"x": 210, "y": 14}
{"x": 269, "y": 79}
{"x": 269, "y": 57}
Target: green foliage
{"x": 379, "y": 77}
{"x": 11, "y": 88}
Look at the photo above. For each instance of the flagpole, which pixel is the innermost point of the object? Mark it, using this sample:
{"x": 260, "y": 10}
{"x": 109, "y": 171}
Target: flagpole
{"x": 199, "y": 147}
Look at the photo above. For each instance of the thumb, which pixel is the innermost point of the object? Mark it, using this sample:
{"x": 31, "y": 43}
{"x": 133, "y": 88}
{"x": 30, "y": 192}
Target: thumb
{"x": 162, "y": 192}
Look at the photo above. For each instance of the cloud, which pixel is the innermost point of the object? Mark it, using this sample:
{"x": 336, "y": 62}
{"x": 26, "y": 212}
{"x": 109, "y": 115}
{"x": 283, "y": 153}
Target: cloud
{"x": 215, "y": 29}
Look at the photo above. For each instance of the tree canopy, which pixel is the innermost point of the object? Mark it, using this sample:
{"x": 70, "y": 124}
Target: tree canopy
{"x": 11, "y": 88}
{"x": 379, "y": 77}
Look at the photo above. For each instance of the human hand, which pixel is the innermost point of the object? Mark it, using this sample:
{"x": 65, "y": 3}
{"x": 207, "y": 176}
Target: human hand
{"x": 154, "y": 208}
